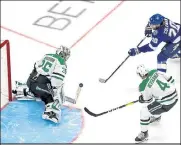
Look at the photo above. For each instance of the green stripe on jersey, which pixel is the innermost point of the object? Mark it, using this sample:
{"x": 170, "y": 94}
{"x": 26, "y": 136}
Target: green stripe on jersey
{"x": 57, "y": 77}
{"x": 167, "y": 99}
{"x": 58, "y": 74}
{"x": 173, "y": 81}
{"x": 60, "y": 59}
{"x": 143, "y": 84}
{"x": 144, "y": 123}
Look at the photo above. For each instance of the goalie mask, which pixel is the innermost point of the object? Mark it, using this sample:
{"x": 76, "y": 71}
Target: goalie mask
{"x": 142, "y": 71}
{"x": 64, "y": 52}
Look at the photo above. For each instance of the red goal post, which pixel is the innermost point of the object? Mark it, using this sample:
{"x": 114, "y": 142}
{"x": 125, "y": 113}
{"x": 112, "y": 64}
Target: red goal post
{"x": 6, "y": 70}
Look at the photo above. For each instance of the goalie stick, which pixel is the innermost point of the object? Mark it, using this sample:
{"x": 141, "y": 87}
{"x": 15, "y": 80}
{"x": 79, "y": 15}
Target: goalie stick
{"x": 111, "y": 110}
{"x": 105, "y": 80}
{"x": 74, "y": 101}
{"x": 31, "y": 96}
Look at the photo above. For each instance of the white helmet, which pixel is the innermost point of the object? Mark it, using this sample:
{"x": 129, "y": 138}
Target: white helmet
{"x": 64, "y": 52}
{"x": 142, "y": 71}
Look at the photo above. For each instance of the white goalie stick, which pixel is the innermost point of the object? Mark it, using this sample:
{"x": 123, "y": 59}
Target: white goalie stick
{"x": 32, "y": 97}
{"x": 74, "y": 101}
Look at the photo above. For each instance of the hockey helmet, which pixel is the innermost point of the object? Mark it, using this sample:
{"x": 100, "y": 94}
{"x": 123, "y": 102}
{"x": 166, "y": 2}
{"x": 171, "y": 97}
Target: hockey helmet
{"x": 142, "y": 71}
{"x": 156, "y": 19}
{"x": 64, "y": 52}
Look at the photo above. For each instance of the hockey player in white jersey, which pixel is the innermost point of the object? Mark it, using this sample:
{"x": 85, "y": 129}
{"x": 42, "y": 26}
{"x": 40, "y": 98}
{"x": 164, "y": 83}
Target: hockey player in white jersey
{"x": 157, "y": 90}
{"x": 46, "y": 83}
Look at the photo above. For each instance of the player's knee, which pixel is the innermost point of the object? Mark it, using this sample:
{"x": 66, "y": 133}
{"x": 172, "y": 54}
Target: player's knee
{"x": 144, "y": 113}
{"x": 47, "y": 98}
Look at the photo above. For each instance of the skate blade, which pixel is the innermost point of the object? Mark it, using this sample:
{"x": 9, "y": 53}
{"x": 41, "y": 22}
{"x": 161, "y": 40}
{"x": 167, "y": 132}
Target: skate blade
{"x": 143, "y": 141}
{"x": 155, "y": 121}
{"x": 46, "y": 117}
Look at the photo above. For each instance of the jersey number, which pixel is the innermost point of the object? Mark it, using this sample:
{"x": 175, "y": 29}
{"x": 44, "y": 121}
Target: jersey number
{"x": 154, "y": 40}
{"x": 173, "y": 29}
{"x": 162, "y": 85}
{"x": 64, "y": 70}
{"x": 46, "y": 65}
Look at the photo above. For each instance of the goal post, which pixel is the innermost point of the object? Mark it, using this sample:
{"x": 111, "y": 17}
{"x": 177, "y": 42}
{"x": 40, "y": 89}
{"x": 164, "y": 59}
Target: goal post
{"x": 6, "y": 85}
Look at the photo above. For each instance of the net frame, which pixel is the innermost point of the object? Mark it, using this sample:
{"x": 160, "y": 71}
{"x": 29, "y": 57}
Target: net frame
{"x": 5, "y": 44}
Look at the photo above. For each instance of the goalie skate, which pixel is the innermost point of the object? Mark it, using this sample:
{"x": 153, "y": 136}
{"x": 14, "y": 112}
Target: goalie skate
{"x": 51, "y": 112}
{"x": 21, "y": 92}
{"x": 51, "y": 116}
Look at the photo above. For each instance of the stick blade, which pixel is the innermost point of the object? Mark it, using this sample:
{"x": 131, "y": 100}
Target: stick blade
{"x": 102, "y": 80}
{"x": 89, "y": 112}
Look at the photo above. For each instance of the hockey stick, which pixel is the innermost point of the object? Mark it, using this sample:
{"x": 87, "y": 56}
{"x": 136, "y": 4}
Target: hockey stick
{"x": 105, "y": 80}
{"x": 78, "y": 92}
{"x": 73, "y": 101}
{"x": 96, "y": 115}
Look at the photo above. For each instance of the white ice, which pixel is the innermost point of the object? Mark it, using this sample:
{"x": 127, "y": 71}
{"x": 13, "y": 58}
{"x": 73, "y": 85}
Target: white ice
{"x": 95, "y": 56}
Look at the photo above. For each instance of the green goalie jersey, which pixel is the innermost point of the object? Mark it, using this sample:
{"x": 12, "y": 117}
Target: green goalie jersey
{"x": 158, "y": 87}
{"x": 53, "y": 66}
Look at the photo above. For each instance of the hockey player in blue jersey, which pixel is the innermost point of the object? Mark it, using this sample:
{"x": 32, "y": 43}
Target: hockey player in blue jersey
{"x": 161, "y": 29}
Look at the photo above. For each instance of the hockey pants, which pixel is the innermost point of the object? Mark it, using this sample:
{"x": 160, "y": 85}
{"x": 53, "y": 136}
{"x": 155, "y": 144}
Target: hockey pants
{"x": 169, "y": 51}
{"x": 154, "y": 109}
{"x": 41, "y": 87}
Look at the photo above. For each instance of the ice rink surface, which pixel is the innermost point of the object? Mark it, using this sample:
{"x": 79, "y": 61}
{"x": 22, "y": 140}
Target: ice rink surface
{"x": 104, "y": 47}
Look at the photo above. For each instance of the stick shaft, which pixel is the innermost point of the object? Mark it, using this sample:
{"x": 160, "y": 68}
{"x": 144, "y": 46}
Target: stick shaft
{"x": 114, "y": 109}
{"x": 123, "y": 61}
{"x": 111, "y": 110}
{"x": 117, "y": 68}
{"x": 77, "y": 93}
{"x": 141, "y": 41}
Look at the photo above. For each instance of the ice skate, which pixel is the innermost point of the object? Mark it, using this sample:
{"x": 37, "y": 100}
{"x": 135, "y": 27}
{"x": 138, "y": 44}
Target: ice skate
{"x": 154, "y": 119}
{"x": 51, "y": 113}
{"x": 21, "y": 92}
{"x": 143, "y": 136}
{"x": 51, "y": 116}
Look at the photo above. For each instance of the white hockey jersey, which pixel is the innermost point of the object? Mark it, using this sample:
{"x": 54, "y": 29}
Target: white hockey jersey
{"x": 53, "y": 67}
{"x": 157, "y": 86}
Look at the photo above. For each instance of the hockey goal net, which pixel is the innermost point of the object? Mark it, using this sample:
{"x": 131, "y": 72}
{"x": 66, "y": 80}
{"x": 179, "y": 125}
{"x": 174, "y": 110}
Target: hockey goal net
{"x": 6, "y": 94}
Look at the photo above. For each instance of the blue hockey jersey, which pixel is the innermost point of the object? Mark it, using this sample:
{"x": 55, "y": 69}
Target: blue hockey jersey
{"x": 169, "y": 32}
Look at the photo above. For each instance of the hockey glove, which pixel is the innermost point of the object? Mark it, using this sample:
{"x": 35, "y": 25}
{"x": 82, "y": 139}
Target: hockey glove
{"x": 133, "y": 51}
{"x": 141, "y": 100}
{"x": 148, "y": 31}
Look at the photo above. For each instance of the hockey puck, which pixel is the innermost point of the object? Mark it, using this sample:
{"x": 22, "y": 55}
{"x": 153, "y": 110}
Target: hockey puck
{"x": 81, "y": 85}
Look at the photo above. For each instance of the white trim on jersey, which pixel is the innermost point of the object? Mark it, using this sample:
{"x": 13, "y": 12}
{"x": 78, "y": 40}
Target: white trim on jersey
{"x": 162, "y": 66}
{"x": 177, "y": 40}
{"x": 155, "y": 108}
{"x": 152, "y": 47}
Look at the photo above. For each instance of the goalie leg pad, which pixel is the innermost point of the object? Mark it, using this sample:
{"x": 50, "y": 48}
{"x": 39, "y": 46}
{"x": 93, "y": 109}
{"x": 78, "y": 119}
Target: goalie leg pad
{"x": 52, "y": 112}
{"x": 59, "y": 94}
